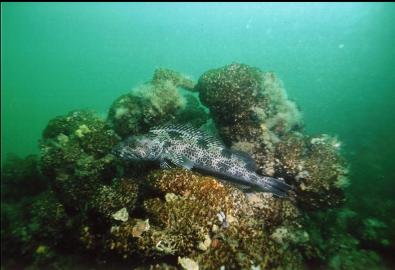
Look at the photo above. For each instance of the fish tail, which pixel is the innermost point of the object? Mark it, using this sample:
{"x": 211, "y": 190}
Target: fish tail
{"x": 276, "y": 186}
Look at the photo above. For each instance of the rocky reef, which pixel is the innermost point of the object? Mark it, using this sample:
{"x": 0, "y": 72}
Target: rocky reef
{"x": 252, "y": 113}
{"x": 75, "y": 156}
{"x": 154, "y": 103}
{"x": 82, "y": 207}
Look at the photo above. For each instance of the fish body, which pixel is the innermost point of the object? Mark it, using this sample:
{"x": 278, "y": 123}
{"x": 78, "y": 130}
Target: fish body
{"x": 193, "y": 149}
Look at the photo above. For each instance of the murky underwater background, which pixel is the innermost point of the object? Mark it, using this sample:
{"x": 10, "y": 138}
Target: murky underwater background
{"x": 336, "y": 62}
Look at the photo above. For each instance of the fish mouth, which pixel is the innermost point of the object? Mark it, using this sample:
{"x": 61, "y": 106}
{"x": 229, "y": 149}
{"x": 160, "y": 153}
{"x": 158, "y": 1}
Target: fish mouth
{"x": 116, "y": 151}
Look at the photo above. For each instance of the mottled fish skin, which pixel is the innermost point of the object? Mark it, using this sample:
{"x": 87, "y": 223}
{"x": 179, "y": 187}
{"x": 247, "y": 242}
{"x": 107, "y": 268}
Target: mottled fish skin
{"x": 192, "y": 148}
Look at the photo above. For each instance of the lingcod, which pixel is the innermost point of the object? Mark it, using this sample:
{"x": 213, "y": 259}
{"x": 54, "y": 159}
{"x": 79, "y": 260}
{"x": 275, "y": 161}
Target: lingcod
{"x": 175, "y": 145}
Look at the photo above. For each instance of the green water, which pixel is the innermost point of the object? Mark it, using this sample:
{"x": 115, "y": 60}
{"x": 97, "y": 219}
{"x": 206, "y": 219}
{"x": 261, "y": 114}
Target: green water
{"x": 336, "y": 61}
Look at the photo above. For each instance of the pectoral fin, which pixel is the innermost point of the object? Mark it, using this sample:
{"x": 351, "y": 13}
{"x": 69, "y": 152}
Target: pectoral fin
{"x": 165, "y": 164}
{"x": 181, "y": 161}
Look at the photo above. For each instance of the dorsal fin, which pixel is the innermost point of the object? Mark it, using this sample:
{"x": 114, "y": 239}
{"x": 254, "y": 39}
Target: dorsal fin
{"x": 187, "y": 131}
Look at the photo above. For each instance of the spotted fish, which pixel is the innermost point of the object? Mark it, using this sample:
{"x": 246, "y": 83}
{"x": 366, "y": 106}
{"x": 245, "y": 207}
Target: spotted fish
{"x": 193, "y": 149}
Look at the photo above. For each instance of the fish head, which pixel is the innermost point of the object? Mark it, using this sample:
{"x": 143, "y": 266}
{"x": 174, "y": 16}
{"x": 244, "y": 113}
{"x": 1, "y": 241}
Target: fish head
{"x": 139, "y": 148}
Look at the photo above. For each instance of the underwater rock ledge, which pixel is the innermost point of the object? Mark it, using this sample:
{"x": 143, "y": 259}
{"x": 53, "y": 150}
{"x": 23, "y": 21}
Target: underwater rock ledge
{"x": 252, "y": 113}
{"x": 98, "y": 212}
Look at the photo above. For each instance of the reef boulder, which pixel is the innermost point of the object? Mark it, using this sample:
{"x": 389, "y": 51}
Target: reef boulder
{"x": 75, "y": 156}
